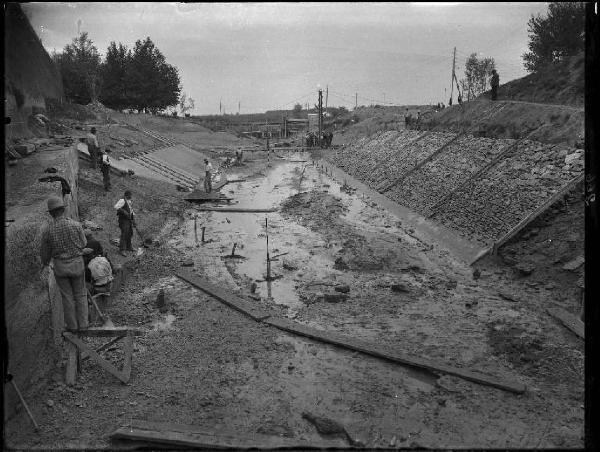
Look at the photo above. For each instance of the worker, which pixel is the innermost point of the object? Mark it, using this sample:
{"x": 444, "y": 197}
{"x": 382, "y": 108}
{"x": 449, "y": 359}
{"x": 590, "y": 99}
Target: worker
{"x": 126, "y": 222}
{"x": 62, "y": 242}
{"x": 207, "y": 176}
{"x": 101, "y": 274}
{"x": 93, "y": 243}
{"x": 105, "y": 168}
{"x": 92, "y": 144}
{"x": 494, "y": 82}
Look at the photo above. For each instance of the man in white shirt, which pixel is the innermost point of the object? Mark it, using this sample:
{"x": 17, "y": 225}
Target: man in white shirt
{"x": 105, "y": 168}
{"x": 101, "y": 272}
{"x": 92, "y": 144}
{"x": 126, "y": 222}
{"x": 207, "y": 176}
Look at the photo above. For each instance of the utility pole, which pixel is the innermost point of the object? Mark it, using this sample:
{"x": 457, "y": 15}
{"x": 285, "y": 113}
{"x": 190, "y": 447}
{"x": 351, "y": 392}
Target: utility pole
{"x": 326, "y": 96}
{"x": 320, "y": 115}
{"x": 355, "y": 101}
{"x": 239, "y": 106}
{"x": 453, "y": 76}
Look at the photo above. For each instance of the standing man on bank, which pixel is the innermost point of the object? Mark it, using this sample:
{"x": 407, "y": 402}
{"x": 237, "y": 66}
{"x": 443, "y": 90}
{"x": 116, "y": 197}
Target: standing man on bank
{"x": 126, "y": 222}
{"x": 62, "y": 242}
{"x": 93, "y": 148}
{"x": 207, "y": 176}
{"x": 494, "y": 82}
{"x": 105, "y": 168}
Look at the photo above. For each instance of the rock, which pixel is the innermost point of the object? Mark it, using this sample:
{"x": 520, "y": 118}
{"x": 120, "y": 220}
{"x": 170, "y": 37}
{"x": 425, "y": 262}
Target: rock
{"x": 50, "y": 402}
{"x": 160, "y": 299}
{"x": 572, "y": 157}
{"x": 399, "y": 288}
{"x": 288, "y": 265}
{"x": 525, "y": 269}
{"x": 343, "y": 289}
{"x": 574, "y": 264}
{"x": 187, "y": 263}
{"x": 25, "y": 149}
{"x": 334, "y": 297}
{"x": 451, "y": 284}
{"x": 114, "y": 242}
{"x": 508, "y": 296}
{"x": 476, "y": 274}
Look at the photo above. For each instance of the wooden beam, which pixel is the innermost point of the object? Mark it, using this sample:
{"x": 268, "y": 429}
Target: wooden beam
{"x": 110, "y": 332}
{"x": 391, "y": 355}
{"x": 420, "y": 164}
{"x": 530, "y": 217}
{"x": 109, "y": 367}
{"x": 235, "y": 209}
{"x": 103, "y": 347}
{"x": 568, "y": 320}
{"x": 198, "y": 437}
{"x": 231, "y": 300}
{"x": 71, "y": 370}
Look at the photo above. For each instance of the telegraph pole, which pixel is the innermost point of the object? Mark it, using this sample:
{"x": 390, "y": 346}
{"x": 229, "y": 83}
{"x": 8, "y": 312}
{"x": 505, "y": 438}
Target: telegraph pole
{"x": 355, "y": 101}
{"x": 326, "y": 96}
{"x": 320, "y": 115}
{"x": 453, "y": 76}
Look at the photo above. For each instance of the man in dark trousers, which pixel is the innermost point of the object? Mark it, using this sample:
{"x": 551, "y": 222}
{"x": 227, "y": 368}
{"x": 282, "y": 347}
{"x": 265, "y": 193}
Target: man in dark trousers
{"x": 93, "y": 148}
{"x": 494, "y": 82}
{"x": 105, "y": 168}
{"x": 126, "y": 222}
{"x": 62, "y": 242}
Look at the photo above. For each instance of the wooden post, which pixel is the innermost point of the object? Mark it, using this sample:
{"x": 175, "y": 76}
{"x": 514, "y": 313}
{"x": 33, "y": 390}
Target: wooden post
{"x": 196, "y": 228}
{"x": 71, "y": 371}
{"x": 233, "y": 250}
{"x": 203, "y": 229}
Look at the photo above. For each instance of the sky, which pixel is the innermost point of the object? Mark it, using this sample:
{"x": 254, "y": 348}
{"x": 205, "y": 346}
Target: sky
{"x": 264, "y": 56}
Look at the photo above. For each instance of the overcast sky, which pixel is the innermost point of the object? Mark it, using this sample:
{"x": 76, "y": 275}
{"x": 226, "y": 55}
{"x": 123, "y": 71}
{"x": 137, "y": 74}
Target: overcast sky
{"x": 270, "y": 55}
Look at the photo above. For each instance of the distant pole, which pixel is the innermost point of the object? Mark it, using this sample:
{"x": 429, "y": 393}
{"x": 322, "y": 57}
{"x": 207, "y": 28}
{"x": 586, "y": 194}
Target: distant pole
{"x": 220, "y": 106}
{"x": 453, "y": 76}
{"x": 326, "y": 96}
{"x": 355, "y": 101}
{"x": 320, "y": 115}
{"x": 239, "y": 106}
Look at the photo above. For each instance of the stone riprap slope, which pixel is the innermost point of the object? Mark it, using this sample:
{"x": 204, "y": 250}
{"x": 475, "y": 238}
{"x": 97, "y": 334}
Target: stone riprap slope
{"x": 496, "y": 201}
{"x": 423, "y": 188}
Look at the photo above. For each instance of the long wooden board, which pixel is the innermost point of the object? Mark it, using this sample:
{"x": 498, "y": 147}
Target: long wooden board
{"x": 568, "y": 320}
{"x": 231, "y": 300}
{"x": 235, "y": 209}
{"x": 202, "y": 437}
{"x": 109, "y": 367}
{"x": 391, "y": 355}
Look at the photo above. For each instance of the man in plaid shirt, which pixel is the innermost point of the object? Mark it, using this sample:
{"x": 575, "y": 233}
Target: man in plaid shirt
{"x": 62, "y": 242}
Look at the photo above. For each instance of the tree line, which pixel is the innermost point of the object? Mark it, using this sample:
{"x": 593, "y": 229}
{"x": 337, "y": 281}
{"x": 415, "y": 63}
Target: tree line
{"x": 138, "y": 78}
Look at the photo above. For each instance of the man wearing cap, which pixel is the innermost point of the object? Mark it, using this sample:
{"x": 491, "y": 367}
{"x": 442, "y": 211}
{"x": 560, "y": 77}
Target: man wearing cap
{"x": 62, "y": 242}
{"x": 92, "y": 144}
{"x": 207, "y": 176}
{"x": 126, "y": 222}
{"x": 105, "y": 168}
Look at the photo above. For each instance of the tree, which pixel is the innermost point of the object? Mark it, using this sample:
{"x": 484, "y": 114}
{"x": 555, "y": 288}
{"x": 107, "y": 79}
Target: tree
{"x": 185, "y": 103}
{"x": 79, "y": 65}
{"x": 477, "y": 74}
{"x": 296, "y": 113}
{"x": 151, "y": 82}
{"x": 114, "y": 77}
{"x": 559, "y": 34}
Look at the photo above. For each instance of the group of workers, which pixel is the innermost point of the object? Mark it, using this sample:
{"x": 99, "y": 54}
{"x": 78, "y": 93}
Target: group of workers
{"x": 312, "y": 139}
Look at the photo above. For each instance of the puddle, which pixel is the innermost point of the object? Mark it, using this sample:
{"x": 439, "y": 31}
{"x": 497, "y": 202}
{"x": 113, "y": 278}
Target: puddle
{"x": 164, "y": 324}
{"x": 306, "y": 255}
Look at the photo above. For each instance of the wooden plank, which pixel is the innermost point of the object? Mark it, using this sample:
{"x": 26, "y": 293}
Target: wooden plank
{"x": 568, "y": 320}
{"x": 391, "y": 355}
{"x": 235, "y": 209}
{"x": 231, "y": 300}
{"x": 195, "y": 437}
{"x": 110, "y": 332}
{"x": 103, "y": 347}
{"x": 128, "y": 350}
{"x": 83, "y": 347}
{"x": 529, "y": 218}
{"x": 71, "y": 371}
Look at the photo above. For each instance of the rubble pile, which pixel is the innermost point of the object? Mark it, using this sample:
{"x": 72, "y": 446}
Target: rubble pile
{"x": 499, "y": 199}
{"x": 423, "y": 188}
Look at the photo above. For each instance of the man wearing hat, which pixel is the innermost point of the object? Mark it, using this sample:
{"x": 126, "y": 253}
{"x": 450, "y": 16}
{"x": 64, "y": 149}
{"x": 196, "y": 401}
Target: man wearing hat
{"x": 207, "y": 176}
{"x": 62, "y": 242}
{"x": 126, "y": 222}
{"x": 92, "y": 144}
{"x": 105, "y": 168}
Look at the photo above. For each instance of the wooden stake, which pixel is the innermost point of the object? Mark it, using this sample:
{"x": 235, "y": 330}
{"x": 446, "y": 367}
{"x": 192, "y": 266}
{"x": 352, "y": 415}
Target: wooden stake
{"x": 233, "y": 250}
{"x": 24, "y": 404}
{"x": 203, "y": 229}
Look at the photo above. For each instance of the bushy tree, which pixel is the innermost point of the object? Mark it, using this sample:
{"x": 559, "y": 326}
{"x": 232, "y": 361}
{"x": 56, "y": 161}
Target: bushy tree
{"x": 477, "y": 74}
{"x": 79, "y": 65}
{"x": 151, "y": 82}
{"x": 297, "y": 112}
{"x": 114, "y": 73}
{"x": 559, "y": 34}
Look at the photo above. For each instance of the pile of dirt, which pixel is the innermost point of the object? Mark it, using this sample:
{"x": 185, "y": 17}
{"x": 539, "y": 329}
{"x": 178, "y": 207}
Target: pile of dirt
{"x": 314, "y": 209}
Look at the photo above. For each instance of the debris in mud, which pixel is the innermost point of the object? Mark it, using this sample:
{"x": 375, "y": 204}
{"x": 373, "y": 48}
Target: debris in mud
{"x": 334, "y": 297}
{"x": 343, "y": 288}
{"x": 288, "y": 265}
{"x": 574, "y": 264}
{"x": 160, "y": 300}
{"x": 508, "y": 296}
{"x": 340, "y": 264}
{"x": 476, "y": 274}
{"x": 525, "y": 269}
{"x": 327, "y": 426}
